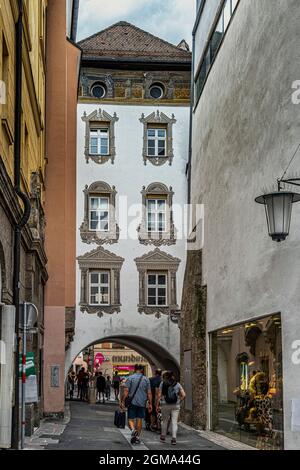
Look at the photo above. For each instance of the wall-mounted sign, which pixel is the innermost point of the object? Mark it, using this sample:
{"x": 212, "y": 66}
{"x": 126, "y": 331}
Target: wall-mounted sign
{"x": 129, "y": 359}
{"x": 54, "y": 382}
{"x": 31, "y": 388}
{"x": 30, "y": 367}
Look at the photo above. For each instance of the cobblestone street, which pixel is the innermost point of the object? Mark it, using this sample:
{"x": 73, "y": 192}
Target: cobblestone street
{"x": 91, "y": 428}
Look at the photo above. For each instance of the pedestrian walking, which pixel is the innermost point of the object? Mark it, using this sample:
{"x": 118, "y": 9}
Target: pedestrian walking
{"x": 116, "y": 384}
{"x": 137, "y": 393}
{"x": 169, "y": 397}
{"x": 155, "y": 381}
{"x": 81, "y": 383}
{"x": 101, "y": 386}
{"x": 85, "y": 386}
{"x": 108, "y": 387}
{"x": 71, "y": 384}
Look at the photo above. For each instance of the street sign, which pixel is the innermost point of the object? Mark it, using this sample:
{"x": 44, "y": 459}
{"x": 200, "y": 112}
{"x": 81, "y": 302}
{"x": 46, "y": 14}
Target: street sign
{"x": 31, "y": 390}
{"x": 30, "y": 366}
{"x": 28, "y": 316}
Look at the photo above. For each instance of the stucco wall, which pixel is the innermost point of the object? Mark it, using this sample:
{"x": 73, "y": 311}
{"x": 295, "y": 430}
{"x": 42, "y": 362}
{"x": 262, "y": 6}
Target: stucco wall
{"x": 62, "y": 85}
{"x": 245, "y": 131}
{"x": 129, "y": 175}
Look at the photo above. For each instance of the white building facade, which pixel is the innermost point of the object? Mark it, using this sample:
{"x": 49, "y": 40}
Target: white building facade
{"x": 133, "y": 121}
{"x": 245, "y": 130}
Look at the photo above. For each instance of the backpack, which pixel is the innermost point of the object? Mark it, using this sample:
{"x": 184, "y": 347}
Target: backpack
{"x": 169, "y": 393}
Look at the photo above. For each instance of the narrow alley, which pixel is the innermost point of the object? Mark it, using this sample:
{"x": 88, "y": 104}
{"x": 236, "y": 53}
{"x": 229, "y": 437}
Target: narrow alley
{"x": 91, "y": 427}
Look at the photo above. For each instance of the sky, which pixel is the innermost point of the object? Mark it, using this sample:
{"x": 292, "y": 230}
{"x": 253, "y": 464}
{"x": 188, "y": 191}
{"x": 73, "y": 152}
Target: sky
{"x": 171, "y": 20}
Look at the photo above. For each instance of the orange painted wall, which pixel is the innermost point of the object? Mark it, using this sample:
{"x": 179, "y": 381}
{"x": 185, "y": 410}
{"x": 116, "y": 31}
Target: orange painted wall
{"x": 61, "y": 101}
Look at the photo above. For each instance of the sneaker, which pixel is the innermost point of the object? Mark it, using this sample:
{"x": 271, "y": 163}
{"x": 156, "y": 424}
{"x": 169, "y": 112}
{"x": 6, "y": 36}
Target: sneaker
{"x": 162, "y": 438}
{"x": 173, "y": 441}
{"x": 137, "y": 441}
{"x": 134, "y": 437}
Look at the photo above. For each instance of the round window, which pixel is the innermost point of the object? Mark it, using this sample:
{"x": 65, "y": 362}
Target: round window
{"x": 99, "y": 90}
{"x": 156, "y": 92}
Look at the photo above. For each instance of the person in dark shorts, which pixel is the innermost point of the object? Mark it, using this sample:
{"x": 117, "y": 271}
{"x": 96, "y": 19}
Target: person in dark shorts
{"x": 82, "y": 382}
{"x": 138, "y": 388}
{"x": 155, "y": 382}
{"x": 108, "y": 387}
{"x": 116, "y": 384}
{"x": 101, "y": 387}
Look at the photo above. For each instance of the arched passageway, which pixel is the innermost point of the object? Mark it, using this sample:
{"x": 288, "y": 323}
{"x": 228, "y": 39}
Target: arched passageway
{"x": 156, "y": 355}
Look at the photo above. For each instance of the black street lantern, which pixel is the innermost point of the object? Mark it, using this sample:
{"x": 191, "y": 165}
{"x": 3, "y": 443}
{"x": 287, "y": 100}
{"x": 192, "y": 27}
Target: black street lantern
{"x": 278, "y": 207}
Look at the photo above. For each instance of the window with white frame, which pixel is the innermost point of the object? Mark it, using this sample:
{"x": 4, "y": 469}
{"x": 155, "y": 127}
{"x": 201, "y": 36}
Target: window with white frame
{"x": 157, "y": 142}
{"x": 156, "y": 214}
{"x": 99, "y": 213}
{"x": 99, "y": 288}
{"x": 99, "y": 141}
{"x": 157, "y": 289}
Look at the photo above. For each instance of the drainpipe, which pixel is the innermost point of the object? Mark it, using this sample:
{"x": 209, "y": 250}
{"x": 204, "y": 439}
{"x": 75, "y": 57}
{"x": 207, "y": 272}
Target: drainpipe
{"x": 75, "y": 15}
{"x": 24, "y": 219}
{"x": 189, "y": 165}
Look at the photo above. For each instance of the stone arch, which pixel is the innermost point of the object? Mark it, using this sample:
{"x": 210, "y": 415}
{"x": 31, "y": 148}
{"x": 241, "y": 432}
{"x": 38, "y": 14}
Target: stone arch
{"x": 154, "y": 347}
{"x": 156, "y": 355}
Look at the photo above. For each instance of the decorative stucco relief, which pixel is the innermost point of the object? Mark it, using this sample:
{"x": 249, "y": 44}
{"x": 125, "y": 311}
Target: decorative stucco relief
{"x": 158, "y": 118}
{"x": 160, "y": 261}
{"x": 98, "y": 260}
{"x": 98, "y": 118}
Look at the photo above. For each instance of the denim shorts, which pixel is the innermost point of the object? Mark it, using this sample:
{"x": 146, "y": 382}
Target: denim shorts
{"x": 136, "y": 412}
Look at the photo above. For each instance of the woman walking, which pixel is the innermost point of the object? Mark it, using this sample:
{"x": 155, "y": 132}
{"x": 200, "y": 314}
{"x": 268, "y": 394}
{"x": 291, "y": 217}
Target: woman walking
{"x": 108, "y": 387}
{"x": 169, "y": 397}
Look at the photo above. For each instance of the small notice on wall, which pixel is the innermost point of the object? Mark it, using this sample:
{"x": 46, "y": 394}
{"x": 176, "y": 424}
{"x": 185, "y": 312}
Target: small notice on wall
{"x": 296, "y": 415}
{"x": 55, "y": 376}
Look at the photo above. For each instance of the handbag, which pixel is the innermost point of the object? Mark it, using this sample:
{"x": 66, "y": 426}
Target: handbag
{"x": 120, "y": 419}
{"x": 128, "y": 399}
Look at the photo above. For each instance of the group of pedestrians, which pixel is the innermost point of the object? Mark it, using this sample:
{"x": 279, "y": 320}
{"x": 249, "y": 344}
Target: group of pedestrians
{"x": 104, "y": 385}
{"x": 158, "y": 398}
{"x": 82, "y": 380}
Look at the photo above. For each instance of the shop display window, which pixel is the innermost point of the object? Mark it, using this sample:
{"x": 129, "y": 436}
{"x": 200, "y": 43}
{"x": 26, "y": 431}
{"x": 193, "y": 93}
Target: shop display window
{"x": 246, "y": 388}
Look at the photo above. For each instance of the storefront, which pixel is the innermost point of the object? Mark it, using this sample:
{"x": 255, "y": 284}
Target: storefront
{"x": 246, "y": 383}
{"x": 114, "y": 358}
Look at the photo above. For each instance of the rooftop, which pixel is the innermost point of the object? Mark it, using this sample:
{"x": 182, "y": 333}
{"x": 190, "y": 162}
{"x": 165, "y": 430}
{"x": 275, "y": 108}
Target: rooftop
{"x": 126, "y": 41}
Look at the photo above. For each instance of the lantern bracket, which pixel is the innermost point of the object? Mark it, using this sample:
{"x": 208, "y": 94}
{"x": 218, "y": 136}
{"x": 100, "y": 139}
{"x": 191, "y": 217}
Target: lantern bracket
{"x": 293, "y": 181}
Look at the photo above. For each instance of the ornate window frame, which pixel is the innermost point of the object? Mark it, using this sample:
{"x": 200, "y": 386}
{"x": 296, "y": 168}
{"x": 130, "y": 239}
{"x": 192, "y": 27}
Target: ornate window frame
{"x": 100, "y": 260}
{"x": 157, "y": 238}
{"x": 100, "y": 118}
{"x": 158, "y": 119}
{"x": 158, "y": 261}
{"x": 98, "y": 189}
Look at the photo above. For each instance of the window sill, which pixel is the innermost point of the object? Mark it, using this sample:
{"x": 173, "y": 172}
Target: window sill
{"x": 100, "y": 310}
{"x": 157, "y": 238}
{"x": 100, "y": 159}
{"x": 158, "y": 311}
{"x": 158, "y": 161}
{"x": 100, "y": 238}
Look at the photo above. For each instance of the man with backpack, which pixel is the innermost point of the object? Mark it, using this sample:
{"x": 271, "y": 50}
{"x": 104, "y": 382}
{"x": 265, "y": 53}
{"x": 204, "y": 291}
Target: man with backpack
{"x": 170, "y": 395}
{"x": 137, "y": 392}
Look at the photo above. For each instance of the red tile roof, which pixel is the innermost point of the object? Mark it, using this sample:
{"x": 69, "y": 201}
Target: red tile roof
{"x": 128, "y": 41}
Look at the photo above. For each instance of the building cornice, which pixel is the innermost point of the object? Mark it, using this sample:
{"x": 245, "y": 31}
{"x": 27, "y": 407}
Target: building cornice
{"x": 120, "y": 63}
{"x": 137, "y": 102}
